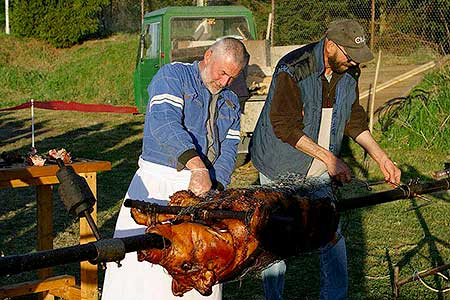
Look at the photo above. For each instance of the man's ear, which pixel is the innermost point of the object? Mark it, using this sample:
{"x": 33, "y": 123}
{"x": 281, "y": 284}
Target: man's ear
{"x": 207, "y": 56}
{"x": 329, "y": 46}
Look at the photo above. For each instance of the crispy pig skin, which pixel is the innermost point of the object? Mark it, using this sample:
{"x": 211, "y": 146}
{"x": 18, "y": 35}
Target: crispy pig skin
{"x": 211, "y": 251}
{"x": 197, "y": 253}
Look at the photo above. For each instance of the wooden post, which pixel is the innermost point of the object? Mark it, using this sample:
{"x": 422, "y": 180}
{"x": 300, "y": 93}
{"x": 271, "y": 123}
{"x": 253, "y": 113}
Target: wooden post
{"x": 272, "y": 23}
{"x": 372, "y": 25}
{"x": 396, "y": 279}
{"x": 7, "y": 16}
{"x": 44, "y": 195}
{"x": 374, "y": 91}
{"x": 269, "y": 26}
{"x": 142, "y": 13}
{"x": 88, "y": 272}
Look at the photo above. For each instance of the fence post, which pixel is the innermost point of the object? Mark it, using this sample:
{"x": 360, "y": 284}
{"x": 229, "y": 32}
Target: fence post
{"x": 272, "y": 24}
{"x": 374, "y": 91}
{"x": 372, "y": 25}
{"x": 6, "y": 16}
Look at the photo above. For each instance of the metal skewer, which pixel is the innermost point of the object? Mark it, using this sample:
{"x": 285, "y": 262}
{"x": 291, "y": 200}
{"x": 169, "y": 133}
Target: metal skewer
{"x": 32, "y": 124}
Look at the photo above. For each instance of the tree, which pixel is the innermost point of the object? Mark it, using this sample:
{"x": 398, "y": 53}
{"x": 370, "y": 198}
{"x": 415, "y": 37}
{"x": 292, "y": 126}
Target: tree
{"x": 63, "y": 23}
{"x": 2, "y": 13}
{"x": 301, "y": 22}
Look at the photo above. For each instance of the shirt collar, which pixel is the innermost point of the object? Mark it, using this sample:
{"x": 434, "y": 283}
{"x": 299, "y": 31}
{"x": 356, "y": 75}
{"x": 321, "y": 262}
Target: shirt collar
{"x": 318, "y": 53}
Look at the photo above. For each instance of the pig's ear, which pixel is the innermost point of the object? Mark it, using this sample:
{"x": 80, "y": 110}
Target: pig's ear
{"x": 179, "y": 289}
{"x": 205, "y": 283}
{"x": 151, "y": 255}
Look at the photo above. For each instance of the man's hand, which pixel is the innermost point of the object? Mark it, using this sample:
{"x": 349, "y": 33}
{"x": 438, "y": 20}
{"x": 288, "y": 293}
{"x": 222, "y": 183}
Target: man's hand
{"x": 390, "y": 171}
{"x": 338, "y": 169}
{"x": 200, "y": 182}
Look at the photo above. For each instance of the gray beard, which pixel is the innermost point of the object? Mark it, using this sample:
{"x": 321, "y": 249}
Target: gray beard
{"x": 204, "y": 76}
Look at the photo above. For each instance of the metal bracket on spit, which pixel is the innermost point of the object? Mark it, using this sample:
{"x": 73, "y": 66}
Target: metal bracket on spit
{"x": 405, "y": 188}
{"x": 410, "y": 194}
{"x": 109, "y": 250}
{"x": 195, "y": 213}
{"x": 368, "y": 184}
{"x": 443, "y": 173}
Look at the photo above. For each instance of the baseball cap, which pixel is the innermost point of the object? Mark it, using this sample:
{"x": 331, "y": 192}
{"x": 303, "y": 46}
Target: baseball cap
{"x": 350, "y": 34}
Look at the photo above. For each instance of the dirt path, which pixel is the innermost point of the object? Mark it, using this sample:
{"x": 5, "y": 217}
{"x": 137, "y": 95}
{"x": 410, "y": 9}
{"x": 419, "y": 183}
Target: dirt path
{"x": 387, "y": 73}
{"x": 247, "y": 174}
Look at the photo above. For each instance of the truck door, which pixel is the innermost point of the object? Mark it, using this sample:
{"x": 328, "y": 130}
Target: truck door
{"x": 148, "y": 61}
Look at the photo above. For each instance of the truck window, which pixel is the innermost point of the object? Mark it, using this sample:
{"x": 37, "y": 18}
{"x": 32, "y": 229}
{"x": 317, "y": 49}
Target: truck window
{"x": 191, "y": 36}
{"x": 152, "y": 40}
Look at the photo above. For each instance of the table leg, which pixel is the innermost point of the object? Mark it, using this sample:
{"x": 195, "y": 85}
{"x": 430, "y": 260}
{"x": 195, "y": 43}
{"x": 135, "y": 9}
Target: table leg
{"x": 44, "y": 197}
{"x": 89, "y": 275}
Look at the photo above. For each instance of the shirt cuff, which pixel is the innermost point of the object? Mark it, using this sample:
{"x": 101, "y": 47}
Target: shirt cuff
{"x": 185, "y": 157}
{"x": 293, "y": 138}
{"x": 218, "y": 186}
{"x": 354, "y": 132}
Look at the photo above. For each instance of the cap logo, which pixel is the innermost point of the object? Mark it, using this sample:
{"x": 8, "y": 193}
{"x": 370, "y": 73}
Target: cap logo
{"x": 360, "y": 39}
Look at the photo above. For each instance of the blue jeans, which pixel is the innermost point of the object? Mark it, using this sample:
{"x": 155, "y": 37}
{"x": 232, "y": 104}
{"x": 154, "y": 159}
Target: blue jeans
{"x": 273, "y": 280}
{"x": 333, "y": 270}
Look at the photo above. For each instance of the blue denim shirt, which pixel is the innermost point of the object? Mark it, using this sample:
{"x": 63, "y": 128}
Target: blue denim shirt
{"x": 176, "y": 119}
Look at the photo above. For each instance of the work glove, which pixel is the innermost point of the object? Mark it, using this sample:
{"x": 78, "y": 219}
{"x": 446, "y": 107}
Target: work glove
{"x": 200, "y": 182}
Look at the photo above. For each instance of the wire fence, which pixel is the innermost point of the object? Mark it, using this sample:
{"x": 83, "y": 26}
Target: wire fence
{"x": 409, "y": 26}
{"x": 402, "y": 28}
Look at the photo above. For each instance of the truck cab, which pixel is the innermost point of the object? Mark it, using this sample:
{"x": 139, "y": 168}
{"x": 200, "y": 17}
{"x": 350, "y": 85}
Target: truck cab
{"x": 183, "y": 34}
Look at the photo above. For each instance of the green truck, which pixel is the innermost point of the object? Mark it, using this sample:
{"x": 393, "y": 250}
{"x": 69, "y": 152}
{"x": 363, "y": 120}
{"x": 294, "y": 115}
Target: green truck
{"x": 183, "y": 34}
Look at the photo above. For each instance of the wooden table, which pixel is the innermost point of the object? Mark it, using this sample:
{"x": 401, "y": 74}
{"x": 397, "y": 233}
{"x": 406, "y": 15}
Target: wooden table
{"x": 43, "y": 178}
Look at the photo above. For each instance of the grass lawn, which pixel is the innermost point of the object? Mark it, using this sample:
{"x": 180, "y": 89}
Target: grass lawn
{"x": 378, "y": 238}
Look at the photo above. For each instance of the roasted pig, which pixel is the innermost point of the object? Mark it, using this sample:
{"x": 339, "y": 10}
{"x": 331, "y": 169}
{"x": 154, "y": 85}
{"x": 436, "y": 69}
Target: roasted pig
{"x": 201, "y": 253}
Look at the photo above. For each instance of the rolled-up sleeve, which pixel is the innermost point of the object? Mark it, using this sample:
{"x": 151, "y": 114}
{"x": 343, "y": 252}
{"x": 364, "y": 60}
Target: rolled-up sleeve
{"x": 286, "y": 110}
{"x": 358, "y": 119}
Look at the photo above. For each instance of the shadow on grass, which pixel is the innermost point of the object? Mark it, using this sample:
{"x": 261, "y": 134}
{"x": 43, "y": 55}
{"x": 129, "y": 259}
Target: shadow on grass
{"x": 429, "y": 241}
{"x": 17, "y": 213}
{"x": 13, "y": 130}
{"x": 100, "y": 141}
{"x": 303, "y": 272}
{"x": 302, "y": 277}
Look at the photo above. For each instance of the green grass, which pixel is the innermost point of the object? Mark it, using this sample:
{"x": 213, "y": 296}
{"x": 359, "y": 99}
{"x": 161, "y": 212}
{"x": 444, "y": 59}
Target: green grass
{"x": 378, "y": 238}
{"x": 94, "y": 72}
{"x": 424, "y": 119}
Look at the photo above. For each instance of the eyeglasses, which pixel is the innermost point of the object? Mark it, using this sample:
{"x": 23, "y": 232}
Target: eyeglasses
{"x": 349, "y": 59}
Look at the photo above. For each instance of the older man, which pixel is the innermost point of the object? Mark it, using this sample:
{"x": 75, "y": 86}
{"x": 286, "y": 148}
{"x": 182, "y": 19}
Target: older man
{"x": 191, "y": 134}
{"x": 312, "y": 102}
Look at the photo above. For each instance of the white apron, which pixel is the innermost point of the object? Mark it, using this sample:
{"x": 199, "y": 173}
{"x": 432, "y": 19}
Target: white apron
{"x": 136, "y": 280}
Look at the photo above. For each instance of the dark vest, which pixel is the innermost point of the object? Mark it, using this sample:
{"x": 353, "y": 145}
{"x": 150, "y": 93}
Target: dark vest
{"x": 269, "y": 154}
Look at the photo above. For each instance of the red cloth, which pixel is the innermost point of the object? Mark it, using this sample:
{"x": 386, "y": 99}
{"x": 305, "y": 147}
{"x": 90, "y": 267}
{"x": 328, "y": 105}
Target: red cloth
{"x": 75, "y": 106}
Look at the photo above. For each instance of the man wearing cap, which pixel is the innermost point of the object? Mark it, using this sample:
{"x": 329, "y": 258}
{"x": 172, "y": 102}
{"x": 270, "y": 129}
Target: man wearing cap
{"x": 312, "y": 102}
